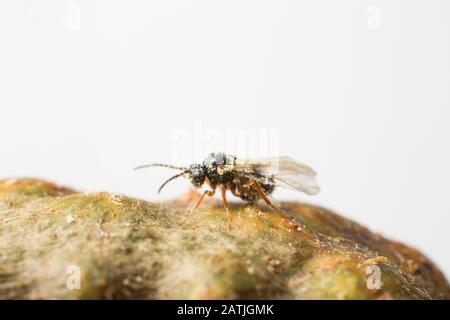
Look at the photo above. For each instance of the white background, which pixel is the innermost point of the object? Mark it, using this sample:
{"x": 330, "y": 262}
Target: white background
{"x": 357, "y": 89}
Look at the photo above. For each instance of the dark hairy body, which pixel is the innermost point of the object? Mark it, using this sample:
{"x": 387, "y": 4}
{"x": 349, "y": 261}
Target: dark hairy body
{"x": 218, "y": 171}
{"x": 248, "y": 179}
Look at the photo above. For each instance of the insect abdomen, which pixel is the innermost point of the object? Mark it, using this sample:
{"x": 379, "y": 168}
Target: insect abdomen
{"x": 247, "y": 190}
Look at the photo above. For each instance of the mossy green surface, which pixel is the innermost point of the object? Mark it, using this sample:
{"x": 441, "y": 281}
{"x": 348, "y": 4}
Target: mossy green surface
{"x": 128, "y": 248}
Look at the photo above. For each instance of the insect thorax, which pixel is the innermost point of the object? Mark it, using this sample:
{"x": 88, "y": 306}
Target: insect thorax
{"x": 219, "y": 167}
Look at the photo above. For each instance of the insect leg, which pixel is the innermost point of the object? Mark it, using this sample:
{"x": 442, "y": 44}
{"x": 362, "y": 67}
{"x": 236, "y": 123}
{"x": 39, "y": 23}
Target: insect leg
{"x": 199, "y": 202}
{"x": 223, "y": 191}
{"x": 263, "y": 195}
{"x": 233, "y": 189}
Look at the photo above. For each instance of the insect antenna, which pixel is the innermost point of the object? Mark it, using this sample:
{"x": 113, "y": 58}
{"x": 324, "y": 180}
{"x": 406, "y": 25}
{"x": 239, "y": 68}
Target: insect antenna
{"x": 159, "y": 165}
{"x": 171, "y": 178}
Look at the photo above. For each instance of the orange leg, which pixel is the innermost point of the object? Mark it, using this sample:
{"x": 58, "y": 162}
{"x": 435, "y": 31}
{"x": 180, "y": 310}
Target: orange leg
{"x": 263, "y": 195}
{"x": 233, "y": 190}
{"x": 207, "y": 192}
{"x": 223, "y": 191}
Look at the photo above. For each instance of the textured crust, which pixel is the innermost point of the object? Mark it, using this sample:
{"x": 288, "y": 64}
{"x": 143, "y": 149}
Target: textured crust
{"x": 130, "y": 248}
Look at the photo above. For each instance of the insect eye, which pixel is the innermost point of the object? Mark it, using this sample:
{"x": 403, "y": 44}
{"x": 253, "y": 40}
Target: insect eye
{"x": 196, "y": 170}
{"x": 197, "y": 175}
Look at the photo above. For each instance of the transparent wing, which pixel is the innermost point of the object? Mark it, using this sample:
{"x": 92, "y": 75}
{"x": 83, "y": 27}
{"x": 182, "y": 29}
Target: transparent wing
{"x": 285, "y": 171}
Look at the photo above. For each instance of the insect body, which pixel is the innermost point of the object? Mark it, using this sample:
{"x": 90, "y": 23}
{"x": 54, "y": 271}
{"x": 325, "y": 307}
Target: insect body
{"x": 250, "y": 180}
